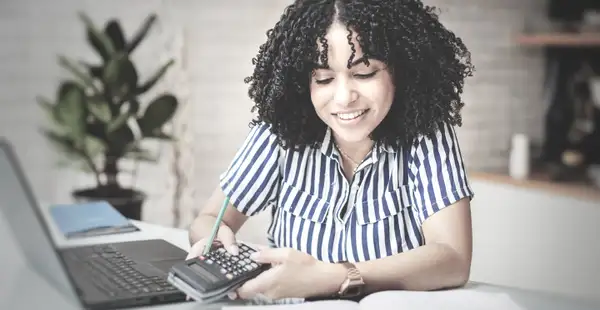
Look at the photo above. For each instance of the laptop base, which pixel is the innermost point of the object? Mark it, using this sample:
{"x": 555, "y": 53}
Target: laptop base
{"x": 124, "y": 274}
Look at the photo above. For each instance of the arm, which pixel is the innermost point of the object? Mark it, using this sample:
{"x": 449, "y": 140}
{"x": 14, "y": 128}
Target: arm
{"x": 203, "y": 223}
{"x": 443, "y": 262}
{"x": 442, "y": 198}
{"x": 249, "y": 182}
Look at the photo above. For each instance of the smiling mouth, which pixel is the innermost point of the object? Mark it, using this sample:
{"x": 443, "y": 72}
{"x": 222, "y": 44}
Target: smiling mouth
{"x": 352, "y": 115}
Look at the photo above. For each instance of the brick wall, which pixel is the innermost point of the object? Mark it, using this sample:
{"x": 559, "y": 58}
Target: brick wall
{"x": 213, "y": 43}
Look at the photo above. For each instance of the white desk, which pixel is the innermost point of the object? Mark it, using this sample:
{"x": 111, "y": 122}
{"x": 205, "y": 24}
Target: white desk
{"x": 20, "y": 288}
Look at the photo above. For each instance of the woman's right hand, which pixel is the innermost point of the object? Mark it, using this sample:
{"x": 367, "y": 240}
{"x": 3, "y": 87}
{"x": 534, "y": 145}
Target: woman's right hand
{"x": 225, "y": 236}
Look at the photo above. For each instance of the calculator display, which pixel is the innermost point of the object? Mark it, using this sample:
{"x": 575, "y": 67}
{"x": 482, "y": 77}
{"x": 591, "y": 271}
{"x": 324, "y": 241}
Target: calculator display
{"x": 203, "y": 272}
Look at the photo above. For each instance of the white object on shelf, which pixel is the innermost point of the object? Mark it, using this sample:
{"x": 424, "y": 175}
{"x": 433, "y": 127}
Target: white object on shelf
{"x": 594, "y": 174}
{"x": 595, "y": 90}
{"x": 519, "y": 157}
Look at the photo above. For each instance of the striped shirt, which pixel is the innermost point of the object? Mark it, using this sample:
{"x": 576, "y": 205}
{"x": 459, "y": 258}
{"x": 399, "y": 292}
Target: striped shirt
{"x": 392, "y": 192}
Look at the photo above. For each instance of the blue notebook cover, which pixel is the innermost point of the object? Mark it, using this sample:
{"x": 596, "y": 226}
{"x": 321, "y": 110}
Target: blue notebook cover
{"x": 90, "y": 219}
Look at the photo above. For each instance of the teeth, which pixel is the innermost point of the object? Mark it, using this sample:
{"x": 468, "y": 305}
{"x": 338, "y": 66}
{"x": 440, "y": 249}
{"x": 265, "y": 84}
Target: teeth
{"x": 351, "y": 116}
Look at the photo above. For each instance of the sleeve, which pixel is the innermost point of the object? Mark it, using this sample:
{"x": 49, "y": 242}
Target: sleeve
{"x": 437, "y": 172}
{"x": 252, "y": 179}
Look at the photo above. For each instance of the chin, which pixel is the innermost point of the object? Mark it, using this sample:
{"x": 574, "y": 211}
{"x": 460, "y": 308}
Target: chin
{"x": 351, "y": 135}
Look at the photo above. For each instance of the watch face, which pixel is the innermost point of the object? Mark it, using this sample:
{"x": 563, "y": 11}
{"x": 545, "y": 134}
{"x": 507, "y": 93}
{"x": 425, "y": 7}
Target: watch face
{"x": 353, "y": 291}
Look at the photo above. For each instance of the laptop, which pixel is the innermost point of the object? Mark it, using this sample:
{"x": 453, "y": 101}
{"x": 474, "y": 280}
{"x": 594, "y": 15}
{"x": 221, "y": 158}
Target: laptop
{"x": 99, "y": 276}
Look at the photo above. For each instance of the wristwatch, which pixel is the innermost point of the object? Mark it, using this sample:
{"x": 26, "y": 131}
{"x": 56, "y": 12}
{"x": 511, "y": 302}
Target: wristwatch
{"x": 353, "y": 285}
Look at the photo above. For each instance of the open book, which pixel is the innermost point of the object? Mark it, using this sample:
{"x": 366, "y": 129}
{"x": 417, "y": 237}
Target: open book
{"x": 459, "y": 299}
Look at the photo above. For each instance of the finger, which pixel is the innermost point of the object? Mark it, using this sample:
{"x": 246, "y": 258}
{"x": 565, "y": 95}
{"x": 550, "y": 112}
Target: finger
{"x": 227, "y": 238}
{"x": 271, "y": 255}
{"x": 258, "y": 285}
{"x": 260, "y": 247}
{"x": 196, "y": 249}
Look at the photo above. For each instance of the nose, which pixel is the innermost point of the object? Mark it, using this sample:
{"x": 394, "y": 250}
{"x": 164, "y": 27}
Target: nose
{"x": 345, "y": 93}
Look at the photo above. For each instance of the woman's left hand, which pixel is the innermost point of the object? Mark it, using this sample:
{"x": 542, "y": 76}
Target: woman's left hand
{"x": 293, "y": 274}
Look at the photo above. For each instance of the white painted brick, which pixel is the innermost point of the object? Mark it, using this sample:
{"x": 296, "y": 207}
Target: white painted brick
{"x": 221, "y": 38}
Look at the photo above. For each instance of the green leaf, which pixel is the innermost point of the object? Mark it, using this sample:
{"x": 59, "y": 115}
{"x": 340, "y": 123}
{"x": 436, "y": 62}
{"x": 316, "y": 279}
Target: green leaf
{"x": 71, "y": 110}
{"x": 87, "y": 80}
{"x": 119, "y": 139}
{"x": 118, "y": 122}
{"x": 99, "y": 40}
{"x": 155, "y": 78}
{"x": 157, "y": 134}
{"x": 158, "y": 113}
{"x": 138, "y": 153}
{"x": 73, "y": 157}
{"x": 100, "y": 109}
{"x": 63, "y": 144}
{"x": 94, "y": 71}
{"x": 94, "y": 146}
{"x": 120, "y": 74}
{"x": 141, "y": 33}
{"x": 114, "y": 31}
{"x": 48, "y": 108}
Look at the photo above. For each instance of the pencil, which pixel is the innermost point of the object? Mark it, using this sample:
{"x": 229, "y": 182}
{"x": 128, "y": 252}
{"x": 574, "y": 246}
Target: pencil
{"x": 215, "y": 229}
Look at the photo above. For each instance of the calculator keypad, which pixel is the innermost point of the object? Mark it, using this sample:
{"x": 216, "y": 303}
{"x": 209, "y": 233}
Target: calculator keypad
{"x": 231, "y": 266}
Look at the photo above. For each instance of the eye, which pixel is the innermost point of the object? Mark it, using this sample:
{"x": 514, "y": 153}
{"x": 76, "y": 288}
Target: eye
{"x": 366, "y": 76}
{"x": 323, "y": 81}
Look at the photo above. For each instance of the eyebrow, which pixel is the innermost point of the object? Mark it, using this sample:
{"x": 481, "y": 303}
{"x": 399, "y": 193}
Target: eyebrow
{"x": 356, "y": 62}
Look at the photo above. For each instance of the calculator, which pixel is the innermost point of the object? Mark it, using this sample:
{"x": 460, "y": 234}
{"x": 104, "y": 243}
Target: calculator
{"x": 210, "y": 277}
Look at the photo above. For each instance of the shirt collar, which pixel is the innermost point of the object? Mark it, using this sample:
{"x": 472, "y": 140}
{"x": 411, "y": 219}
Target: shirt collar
{"x": 328, "y": 148}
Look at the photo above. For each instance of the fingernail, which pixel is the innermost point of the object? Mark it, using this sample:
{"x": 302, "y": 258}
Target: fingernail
{"x": 233, "y": 250}
{"x": 232, "y": 295}
{"x": 254, "y": 255}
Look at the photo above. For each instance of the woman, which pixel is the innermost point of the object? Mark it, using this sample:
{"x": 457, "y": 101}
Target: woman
{"x": 354, "y": 151}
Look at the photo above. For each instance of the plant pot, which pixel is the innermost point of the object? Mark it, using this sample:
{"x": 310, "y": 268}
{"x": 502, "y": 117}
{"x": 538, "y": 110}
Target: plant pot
{"x": 127, "y": 201}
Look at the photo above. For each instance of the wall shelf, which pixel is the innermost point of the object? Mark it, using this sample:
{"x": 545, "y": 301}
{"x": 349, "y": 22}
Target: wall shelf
{"x": 590, "y": 39}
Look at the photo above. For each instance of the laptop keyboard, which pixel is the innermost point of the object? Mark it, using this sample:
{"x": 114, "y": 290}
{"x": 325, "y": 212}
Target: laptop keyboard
{"x": 113, "y": 273}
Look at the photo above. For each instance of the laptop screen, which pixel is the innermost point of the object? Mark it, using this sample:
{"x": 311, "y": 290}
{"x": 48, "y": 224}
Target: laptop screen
{"x": 19, "y": 208}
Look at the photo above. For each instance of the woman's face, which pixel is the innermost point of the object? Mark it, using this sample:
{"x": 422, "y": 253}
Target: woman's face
{"x": 351, "y": 101}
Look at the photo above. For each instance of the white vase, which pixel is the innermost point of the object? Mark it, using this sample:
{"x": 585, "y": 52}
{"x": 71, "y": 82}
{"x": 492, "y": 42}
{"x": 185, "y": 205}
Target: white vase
{"x": 519, "y": 162}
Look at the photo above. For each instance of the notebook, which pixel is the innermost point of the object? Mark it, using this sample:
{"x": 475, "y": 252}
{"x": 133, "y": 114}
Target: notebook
{"x": 90, "y": 219}
{"x": 459, "y": 299}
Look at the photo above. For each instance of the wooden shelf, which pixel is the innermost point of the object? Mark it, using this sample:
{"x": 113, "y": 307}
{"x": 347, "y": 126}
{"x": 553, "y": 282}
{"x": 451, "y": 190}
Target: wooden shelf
{"x": 590, "y": 39}
{"x": 541, "y": 182}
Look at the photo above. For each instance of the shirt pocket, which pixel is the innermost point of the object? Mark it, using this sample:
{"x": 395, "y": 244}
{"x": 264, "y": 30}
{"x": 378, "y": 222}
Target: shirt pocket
{"x": 302, "y": 204}
{"x": 389, "y": 204}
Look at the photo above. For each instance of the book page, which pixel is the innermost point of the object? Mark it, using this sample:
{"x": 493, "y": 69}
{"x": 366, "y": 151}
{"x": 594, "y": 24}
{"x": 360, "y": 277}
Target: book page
{"x": 447, "y": 300}
{"x": 313, "y": 305}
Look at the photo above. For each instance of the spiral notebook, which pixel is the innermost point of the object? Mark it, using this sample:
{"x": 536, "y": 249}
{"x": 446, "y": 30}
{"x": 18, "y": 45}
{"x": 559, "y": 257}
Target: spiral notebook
{"x": 90, "y": 219}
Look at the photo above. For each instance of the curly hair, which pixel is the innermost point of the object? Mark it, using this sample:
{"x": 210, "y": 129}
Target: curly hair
{"x": 428, "y": 64}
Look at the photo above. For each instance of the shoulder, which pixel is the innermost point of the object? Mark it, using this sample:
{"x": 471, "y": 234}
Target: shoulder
{"x": 261, "y": 130}
{"x": 261, "y": 137}
{"x": 441, "y": 140}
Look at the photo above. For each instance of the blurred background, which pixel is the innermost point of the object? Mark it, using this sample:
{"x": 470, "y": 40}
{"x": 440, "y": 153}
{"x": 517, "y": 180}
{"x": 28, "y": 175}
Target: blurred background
{"x": 530, "y": 137}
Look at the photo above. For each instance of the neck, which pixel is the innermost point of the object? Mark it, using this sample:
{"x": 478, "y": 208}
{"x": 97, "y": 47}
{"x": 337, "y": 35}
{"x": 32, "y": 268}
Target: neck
{"x": 357, "y": 150}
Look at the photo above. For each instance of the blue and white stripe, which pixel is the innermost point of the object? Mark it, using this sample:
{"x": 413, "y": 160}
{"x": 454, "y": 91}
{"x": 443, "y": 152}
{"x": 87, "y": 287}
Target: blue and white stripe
{"x": 390, "y": 196}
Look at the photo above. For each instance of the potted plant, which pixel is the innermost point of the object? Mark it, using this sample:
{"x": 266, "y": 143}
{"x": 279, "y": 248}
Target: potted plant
{"x": 98, "y": 119}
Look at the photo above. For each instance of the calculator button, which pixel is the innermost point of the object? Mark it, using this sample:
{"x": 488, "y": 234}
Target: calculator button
{"x": 223, "y": 270}
{"x": 209, "y": 261}
{"x": 229, "y": 276}
{"x": 248, "y": 267}
{"x": 254, "y": 265}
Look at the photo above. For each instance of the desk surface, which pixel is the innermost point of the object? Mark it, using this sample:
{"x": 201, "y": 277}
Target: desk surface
{"x": 21, "y": 288}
